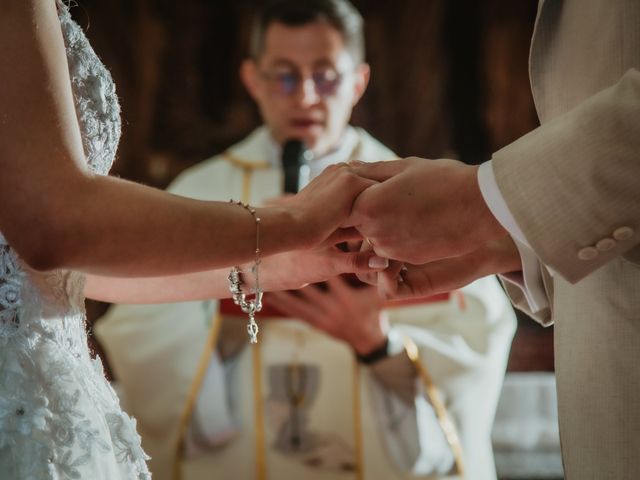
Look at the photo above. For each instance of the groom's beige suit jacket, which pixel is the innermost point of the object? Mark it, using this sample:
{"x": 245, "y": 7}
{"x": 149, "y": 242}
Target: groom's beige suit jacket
{"x": 573, "y": 187}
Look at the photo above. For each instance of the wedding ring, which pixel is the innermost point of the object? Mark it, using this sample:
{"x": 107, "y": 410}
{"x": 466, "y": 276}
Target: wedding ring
{"x": 401, "y": 273}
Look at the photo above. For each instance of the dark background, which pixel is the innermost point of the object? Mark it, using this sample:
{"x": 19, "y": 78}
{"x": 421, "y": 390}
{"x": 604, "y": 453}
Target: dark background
{"x": 449, "y": 79}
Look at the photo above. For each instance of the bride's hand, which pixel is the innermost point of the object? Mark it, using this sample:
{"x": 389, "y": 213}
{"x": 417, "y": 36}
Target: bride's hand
{"x": 326, "y": 203}
{"x": 291, "y": 270}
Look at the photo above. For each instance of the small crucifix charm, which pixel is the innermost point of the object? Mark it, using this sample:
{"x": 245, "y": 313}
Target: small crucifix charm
{"x": 252, "y": 330}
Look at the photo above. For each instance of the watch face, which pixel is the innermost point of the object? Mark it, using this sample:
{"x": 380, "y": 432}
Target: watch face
{"x": 376, "y": 354}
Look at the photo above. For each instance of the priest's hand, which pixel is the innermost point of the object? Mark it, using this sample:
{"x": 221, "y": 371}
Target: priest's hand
{"x": 347, "y": 313}
{"x": 423, "y": 210}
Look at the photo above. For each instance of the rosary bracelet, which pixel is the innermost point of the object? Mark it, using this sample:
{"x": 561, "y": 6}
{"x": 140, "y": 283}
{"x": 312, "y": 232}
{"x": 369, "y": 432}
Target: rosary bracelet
{"x": 253, "y": 306}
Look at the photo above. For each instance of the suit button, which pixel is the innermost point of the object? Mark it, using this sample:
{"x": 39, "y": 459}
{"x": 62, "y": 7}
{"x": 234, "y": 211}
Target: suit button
{"x": 587, "y": 253}
{"x": 623, "y": 233}
{"x": 605, "y": 244}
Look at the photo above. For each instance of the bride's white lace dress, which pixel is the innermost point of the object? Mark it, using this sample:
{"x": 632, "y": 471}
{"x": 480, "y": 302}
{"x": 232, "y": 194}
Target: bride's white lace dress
{"x": 59, "y": 418}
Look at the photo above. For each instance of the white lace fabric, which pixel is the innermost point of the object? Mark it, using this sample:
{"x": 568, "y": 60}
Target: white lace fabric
{"x": 59, "y": 417}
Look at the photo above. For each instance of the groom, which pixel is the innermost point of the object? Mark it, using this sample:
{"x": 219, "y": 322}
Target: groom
{"x": 343, "y": 391}
{"x": 558, "y": 213}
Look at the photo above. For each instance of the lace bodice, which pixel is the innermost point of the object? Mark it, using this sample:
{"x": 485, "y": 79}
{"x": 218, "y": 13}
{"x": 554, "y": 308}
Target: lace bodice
{"x": 59, "y": 418}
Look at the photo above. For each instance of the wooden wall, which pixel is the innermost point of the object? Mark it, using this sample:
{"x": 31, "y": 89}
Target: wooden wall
{"x": 449, "y": 79}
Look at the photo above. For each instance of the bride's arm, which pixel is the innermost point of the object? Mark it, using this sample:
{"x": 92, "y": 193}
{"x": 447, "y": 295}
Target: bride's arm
{"x": 283, "y": 271}
{"x": 57, "y": 214}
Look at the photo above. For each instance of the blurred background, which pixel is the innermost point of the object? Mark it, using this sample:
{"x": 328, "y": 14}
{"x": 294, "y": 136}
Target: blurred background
{"x": 449, "y": 79}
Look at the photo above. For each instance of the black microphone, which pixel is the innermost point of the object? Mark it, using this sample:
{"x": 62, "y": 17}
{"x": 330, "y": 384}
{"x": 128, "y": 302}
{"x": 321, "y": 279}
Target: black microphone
{"x": 295, "y": 156}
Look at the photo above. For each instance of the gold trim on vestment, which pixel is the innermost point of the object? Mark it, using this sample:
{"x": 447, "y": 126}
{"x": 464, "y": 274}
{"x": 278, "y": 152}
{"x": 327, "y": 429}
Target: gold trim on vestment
{"x": 196, "y": 385}
{"x": 248, "y": 166}
{"x": 449, "y": 429}
{"x": 357, "y": 422}
{"x": 247, "y": 170}
{"x": 245, "y": 164}
{"x": 246, "y": 186}
{"x": 261, "y": 459}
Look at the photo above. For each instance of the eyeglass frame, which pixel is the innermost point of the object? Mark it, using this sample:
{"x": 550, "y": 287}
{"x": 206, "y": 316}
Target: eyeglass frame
{"x": 299, "y": 80}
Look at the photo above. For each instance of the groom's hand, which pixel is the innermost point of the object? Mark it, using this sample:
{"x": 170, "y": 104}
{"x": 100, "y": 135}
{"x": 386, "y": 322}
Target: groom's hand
{"x": 440, "y": 276}
{"x": 423, "y": 210}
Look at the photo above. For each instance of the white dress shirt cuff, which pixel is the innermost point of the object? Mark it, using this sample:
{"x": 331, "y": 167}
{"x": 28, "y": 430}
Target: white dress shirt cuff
{"x": 494, "y": 200}
{"x": 530, "y": 279}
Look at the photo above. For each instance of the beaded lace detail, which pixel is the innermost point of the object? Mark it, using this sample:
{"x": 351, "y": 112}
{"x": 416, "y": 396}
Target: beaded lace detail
{"x": 59, "y": 418}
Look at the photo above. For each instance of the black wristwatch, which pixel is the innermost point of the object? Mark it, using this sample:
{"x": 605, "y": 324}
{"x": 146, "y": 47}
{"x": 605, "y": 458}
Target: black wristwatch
{"x": 376, "y": 354}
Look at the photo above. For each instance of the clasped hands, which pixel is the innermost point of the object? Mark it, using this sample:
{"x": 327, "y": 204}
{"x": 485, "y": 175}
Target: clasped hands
{"x": 430, "y": 218}
{"x": 427, "y": 216}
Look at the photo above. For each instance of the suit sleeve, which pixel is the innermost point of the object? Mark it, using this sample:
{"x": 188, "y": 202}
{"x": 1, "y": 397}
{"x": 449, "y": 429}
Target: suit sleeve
{"x": 573, "y": 185}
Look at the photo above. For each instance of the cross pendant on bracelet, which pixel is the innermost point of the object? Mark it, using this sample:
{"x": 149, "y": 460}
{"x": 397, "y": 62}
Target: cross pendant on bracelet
{"x": 252, "y": 329}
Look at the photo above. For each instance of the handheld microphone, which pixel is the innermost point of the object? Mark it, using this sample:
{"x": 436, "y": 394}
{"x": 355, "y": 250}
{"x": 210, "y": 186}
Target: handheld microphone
{"x": 295, "y": 158}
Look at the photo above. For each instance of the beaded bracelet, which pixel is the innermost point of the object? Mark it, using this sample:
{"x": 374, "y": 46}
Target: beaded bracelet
{"x": 253, "y": 306}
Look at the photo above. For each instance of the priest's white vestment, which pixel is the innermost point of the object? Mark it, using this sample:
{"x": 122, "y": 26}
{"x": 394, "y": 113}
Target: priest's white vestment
{"x": 298, "y": 405}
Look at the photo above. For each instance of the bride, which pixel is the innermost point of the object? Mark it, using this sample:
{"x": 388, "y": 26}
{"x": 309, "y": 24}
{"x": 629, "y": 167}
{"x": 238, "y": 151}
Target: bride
{"x": 68, "y": 231}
